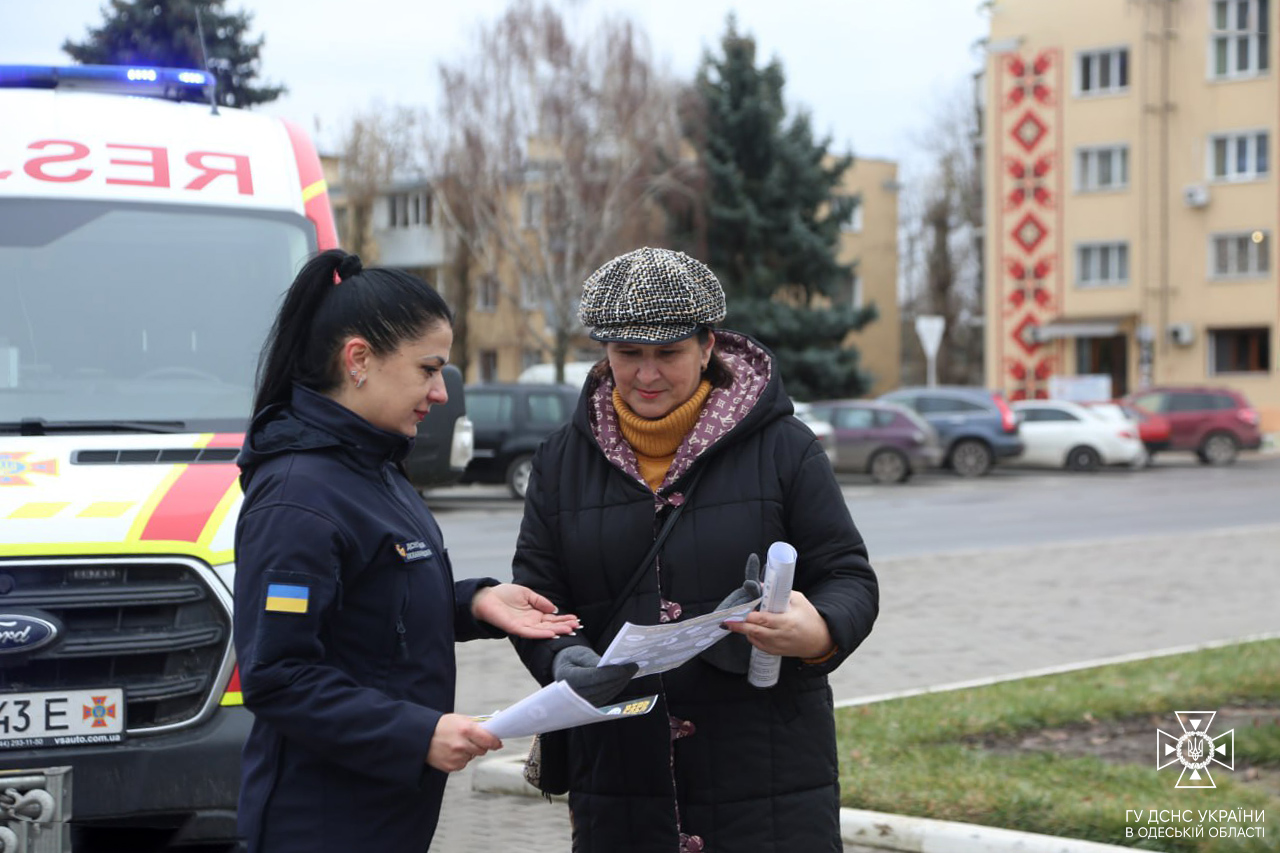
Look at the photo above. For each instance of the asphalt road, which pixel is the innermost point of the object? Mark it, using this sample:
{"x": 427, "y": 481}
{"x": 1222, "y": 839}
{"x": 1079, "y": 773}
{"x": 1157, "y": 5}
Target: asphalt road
{"x": 941, "y": 513}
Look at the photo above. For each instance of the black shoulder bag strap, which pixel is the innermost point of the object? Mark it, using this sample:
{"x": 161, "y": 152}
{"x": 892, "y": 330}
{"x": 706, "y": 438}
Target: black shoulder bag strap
{"x": 642, "y": 569}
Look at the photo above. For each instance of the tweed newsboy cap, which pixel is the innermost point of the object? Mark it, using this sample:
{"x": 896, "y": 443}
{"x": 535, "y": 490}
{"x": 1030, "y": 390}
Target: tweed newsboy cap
{"x": 650, "y": 296}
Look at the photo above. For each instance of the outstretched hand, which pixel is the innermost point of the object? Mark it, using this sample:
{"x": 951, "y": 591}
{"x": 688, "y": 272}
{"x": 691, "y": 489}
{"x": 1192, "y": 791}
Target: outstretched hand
{"x": 521, "y": 611}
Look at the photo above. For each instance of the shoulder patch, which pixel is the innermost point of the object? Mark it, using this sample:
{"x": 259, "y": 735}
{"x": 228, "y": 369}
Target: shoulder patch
{"x": 287, "y": 598}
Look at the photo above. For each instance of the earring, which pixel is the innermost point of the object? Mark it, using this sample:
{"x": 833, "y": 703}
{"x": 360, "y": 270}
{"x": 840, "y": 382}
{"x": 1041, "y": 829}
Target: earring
{"x": 360, "y": 381}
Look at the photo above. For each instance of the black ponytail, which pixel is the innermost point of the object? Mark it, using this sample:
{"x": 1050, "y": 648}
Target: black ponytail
{"x": 332, "y": 298}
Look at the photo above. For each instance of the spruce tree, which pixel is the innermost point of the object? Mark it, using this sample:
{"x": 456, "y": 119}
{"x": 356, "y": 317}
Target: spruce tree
{"x": 164, "y": 33}
{"x": 772, "y": 222}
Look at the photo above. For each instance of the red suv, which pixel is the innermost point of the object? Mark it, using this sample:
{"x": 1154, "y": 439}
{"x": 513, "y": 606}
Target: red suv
{"x": 1214, "y": 422}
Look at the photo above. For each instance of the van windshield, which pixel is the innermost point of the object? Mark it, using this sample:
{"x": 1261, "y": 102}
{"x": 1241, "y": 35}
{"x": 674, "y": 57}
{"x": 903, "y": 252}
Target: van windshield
{"x": 138, "y": 313}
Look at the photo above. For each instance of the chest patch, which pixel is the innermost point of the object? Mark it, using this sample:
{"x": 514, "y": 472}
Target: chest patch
{"x": 287, "y": 598}
{"x": 413, "y": 551}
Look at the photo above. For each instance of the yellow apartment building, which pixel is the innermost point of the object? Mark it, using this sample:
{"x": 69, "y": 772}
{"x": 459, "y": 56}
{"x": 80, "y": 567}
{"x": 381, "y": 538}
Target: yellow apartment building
{"x": 869, "y": 240}
{"x": 1131, "y": 196}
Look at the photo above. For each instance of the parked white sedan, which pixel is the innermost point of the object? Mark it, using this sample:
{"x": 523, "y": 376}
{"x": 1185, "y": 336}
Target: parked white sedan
{"x": 1061, "y": 434}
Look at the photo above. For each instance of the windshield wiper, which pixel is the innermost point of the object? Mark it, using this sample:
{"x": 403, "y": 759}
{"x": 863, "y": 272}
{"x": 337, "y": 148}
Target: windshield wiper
{"x": 39, "y": 426}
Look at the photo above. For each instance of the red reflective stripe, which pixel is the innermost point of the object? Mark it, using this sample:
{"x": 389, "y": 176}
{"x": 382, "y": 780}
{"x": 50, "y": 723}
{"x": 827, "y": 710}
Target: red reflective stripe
{"x": 226, "y": 439}
{"x": 184, "y": 510}
{"x": 310, "y": 172}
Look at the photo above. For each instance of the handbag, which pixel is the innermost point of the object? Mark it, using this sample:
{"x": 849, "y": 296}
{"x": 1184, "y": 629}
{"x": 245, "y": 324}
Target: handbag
{"x": 547, "y": 765}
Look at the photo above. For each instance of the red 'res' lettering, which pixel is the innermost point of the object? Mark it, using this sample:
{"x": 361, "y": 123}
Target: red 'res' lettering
{"x": 35, "y": 166}
{"x": 239, "y": 168}
{"x": 157, "y": 160}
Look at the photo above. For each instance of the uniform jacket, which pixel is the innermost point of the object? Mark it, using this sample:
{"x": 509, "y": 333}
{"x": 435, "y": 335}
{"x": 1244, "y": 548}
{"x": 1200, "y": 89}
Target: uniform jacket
{"x": 732, "y": 767}
{"x": 346, "y": 615}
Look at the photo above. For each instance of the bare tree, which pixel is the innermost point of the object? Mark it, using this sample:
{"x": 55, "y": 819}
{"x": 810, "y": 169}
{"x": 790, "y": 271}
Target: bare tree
{"x": 549, "y": 153}
{"x": 941, "y": 223}
{"x": 374, "y": 145}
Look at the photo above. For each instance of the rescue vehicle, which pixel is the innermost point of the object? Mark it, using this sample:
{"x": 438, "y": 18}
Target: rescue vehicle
{"x": 145, "y": 240}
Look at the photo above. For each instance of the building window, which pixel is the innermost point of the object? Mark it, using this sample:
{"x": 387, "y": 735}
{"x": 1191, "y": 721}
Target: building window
{"x": 488, "y": 365}
{"x": 855, "y": 290}
{"x": 1245, "y": 254}
{"x": 851, "y": 223}
{"x": 1102, "y": 264}
{"x": 531, "y": 214}
{"x": 1238, "y": 156}
{"x": 1102, "y": 168}
{"x": 1239, "y": 351}
{"x": 530, "y": 358}
{"x": 407, "y": 209}
{"x": 528, "y": 292}
{"x": 487, "y": 294}
{"x": 1240, "y": 40}
{"x": 1102, "y": 72}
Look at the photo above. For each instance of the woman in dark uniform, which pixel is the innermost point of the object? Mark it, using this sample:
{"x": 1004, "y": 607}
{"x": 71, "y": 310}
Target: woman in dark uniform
{"x": 346, "y": 605}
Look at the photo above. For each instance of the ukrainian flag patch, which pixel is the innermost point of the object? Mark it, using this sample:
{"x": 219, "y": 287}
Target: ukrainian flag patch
{"x": 287, "y": 598}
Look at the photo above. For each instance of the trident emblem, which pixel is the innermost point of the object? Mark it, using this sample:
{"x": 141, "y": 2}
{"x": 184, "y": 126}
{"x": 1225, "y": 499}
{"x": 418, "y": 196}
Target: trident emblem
{"x": 1195, "y": 749}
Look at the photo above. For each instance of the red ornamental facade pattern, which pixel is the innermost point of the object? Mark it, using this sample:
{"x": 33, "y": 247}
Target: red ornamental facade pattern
{"x": 1027, "y": 133}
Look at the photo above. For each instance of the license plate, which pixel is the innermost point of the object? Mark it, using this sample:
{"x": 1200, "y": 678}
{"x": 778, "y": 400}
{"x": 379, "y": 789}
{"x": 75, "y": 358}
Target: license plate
{"x": 61, "y": 718}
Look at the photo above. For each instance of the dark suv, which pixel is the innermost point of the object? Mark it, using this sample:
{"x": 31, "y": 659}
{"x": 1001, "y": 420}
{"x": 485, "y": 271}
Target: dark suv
{"x": 975, "y": 426}
{"x": 510, "y": 421}
{"x": 1215, "y": 423}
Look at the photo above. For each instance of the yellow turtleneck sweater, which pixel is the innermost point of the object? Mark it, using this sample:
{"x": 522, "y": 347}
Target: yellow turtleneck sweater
{"x": 655, "y": 442}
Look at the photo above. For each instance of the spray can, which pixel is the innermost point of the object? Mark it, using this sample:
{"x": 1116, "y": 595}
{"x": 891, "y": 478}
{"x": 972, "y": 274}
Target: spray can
{"x": 779, "y": 571}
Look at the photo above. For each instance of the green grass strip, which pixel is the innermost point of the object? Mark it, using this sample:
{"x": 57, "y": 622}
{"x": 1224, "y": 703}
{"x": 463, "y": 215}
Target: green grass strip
{"x": 922, "y": 755}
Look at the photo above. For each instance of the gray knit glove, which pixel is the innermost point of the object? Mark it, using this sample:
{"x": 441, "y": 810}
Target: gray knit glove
{"x": 733, "y": 653}
{"x": 578, "y": 666}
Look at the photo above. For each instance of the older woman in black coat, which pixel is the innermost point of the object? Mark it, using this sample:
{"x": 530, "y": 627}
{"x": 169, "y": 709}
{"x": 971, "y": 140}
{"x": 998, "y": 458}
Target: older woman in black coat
{"x": 721, "y": 766}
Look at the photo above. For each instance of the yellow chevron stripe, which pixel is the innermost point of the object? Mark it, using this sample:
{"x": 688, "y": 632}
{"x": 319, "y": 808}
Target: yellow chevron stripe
{"x": 219, "y": 514}
{"x": 318, "y": 188}
{"x": 105, "y": 509}
{"x": 92, "y": 549}
{"x": 38, "y": 509}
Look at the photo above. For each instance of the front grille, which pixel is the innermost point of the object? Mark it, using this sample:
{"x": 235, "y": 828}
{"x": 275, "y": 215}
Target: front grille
{"x": 153, "y": 627}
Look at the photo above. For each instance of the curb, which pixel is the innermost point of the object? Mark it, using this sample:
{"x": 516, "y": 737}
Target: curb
{"x": 505, "y": 775}
{"x": 925, "y": 835}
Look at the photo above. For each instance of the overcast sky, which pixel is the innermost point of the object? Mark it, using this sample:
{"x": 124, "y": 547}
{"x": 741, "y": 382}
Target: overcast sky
{"x": 870, "y": 71}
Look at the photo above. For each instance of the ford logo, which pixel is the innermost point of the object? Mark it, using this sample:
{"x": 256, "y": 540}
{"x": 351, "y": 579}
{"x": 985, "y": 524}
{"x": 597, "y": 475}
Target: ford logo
{"x": 20, "y": 633}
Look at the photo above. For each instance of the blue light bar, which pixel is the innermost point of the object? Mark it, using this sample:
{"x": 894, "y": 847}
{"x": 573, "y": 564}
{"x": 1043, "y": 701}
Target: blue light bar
{"x": 179, "y": 84}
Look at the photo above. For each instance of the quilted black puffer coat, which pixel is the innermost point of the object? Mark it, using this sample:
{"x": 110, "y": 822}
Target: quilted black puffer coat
{"x": 719, "y": 763}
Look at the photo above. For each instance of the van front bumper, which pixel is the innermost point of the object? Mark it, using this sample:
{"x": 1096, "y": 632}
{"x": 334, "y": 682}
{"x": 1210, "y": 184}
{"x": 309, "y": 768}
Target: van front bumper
{"x": 187, "y": 781}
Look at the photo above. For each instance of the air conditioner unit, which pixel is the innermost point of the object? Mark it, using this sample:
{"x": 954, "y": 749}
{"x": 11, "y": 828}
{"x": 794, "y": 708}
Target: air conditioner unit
{"x": 1182, "y": 334}
{"x": 1196, "y": 195}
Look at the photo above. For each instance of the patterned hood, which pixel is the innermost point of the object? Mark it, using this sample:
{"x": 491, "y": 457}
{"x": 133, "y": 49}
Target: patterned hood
{"x": 754, "y": 399}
